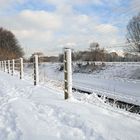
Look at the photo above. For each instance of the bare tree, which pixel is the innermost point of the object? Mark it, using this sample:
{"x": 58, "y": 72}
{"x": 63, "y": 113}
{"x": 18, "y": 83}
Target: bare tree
{"x": 97, "y": 54}
{"x": 93, "y": 46}
{"x": 9, "y": 46}
{"x": 133, "y": 33}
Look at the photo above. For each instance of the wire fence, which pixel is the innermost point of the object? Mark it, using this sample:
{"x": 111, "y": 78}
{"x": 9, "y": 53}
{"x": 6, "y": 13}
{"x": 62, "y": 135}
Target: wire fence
{"x": 117, "y": 79}
{"x": 40, "y": 72}
{"x": 54, "y": 70}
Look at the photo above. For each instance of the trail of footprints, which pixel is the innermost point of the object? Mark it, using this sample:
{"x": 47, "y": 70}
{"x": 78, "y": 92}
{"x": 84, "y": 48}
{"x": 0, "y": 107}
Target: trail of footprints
{"x": 70, "y": 126}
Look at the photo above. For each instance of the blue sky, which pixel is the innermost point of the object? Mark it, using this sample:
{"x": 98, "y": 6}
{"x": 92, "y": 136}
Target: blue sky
{"x": 34, "y": 5}
{"x": 49, "y": 25}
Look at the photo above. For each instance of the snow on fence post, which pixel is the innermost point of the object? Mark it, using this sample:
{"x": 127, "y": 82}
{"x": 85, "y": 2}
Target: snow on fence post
{"x": 36, "y": 73}
{"x": 13, "y": 66}
{"x": 4, "y": 66}
{"x": 8, "y": 66}
{"x": 0, "y": 64}
{"x": 67, "y": 73}
{"x": 21, "y": 68}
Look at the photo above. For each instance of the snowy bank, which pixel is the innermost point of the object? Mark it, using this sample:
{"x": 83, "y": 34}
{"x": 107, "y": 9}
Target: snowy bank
{"x": 39, "y": 113}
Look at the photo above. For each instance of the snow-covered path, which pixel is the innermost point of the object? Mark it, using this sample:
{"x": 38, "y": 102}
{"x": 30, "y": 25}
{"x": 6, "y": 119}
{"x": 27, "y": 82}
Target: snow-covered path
{"x": 40, "y": 113}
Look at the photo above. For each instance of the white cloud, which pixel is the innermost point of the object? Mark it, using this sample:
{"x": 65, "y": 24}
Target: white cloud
{"x": 106, "y": 29}
{"x": 37, "y": 35}
{"x": 135, "y": 5}
{"x": 49, "y": 31}
{"x": 5, "y": 3}
{"x": 74, "y": 2}
{"x": 8, "y": 3}
{"x": 41, "y": 19}
{"x": 28, "y": 19}
{"x": 58, "y": 3}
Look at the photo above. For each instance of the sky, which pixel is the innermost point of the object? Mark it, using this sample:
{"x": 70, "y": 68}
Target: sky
{"x": 50, "y": 25}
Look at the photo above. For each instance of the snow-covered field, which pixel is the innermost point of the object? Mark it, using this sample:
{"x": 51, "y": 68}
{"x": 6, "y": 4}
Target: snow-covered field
{"x": 117, "y": 80}
{"x": 30, "y": 112}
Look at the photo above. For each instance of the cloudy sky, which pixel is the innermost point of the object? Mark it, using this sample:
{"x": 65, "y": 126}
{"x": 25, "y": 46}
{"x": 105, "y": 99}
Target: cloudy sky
{"x": 49, "y": 25}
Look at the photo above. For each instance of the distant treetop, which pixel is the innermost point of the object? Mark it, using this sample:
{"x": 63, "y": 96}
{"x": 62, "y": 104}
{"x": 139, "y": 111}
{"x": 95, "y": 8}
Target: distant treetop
{"x": 9, "y": 45}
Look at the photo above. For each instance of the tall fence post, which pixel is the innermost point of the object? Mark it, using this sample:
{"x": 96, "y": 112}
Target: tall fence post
{"x": 13, "y": 67}
{"x": 21, "y": 68}
{"x": 36, "y": 73}
{"x": 67, "y": 73}
{"x": 4, "y": 66}
{"x": 0, "y": 64}
{"x": 8, "y": 66}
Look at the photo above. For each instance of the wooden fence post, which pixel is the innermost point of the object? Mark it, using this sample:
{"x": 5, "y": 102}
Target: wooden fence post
{"x": 0, "y": 64}
{"x": 5, "y": 66}
{"x": 67, "y": 73}
{"x": 21, "y": 68}
{"x": 13, "y": 67}
{"x": 8, "y": 66}
{"x": 36, "y": 73}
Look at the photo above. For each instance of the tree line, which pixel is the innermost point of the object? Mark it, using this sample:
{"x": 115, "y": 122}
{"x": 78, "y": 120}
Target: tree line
{"x": 101, "y": 55}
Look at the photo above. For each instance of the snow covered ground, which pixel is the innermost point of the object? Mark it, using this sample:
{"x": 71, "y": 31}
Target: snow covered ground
{"x": 117, "y": 80}
{"x": 40, "y": 113}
